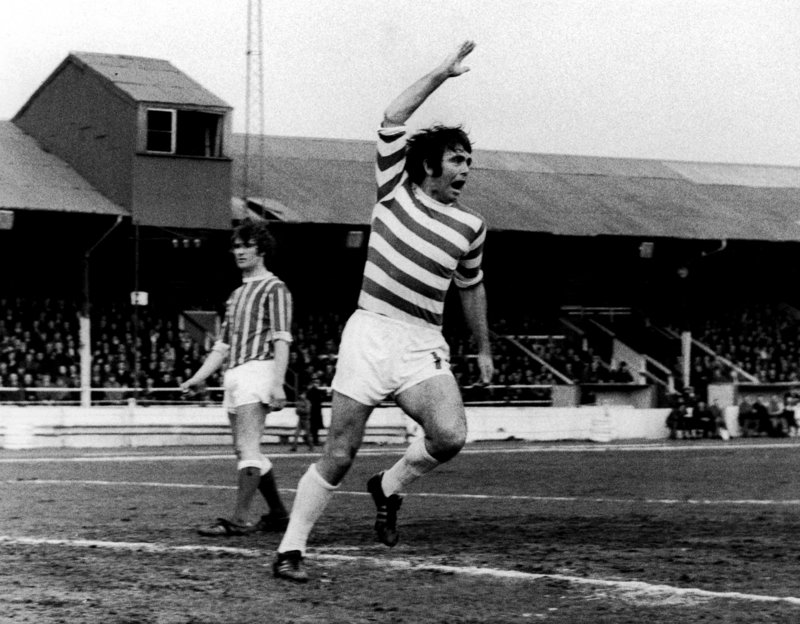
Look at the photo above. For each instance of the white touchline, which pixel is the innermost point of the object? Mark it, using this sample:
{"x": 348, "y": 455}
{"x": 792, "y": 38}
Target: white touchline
{"x": 404, "y": 564}
{"x": 656, "y": 446}
{"x": 519, "y": 497}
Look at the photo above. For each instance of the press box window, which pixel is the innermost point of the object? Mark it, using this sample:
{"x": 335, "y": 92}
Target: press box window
{"x": 161, "y": 131}
{"x": 184, "y": 133}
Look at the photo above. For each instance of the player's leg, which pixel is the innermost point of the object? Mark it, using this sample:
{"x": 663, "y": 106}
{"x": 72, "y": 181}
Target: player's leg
{"x": 348, "y": 420}
{"x": 316, "y": 486}
{"x": 248, "y": 425}
{"x": 359, "y": 385}
{"x": 437, "y": 406}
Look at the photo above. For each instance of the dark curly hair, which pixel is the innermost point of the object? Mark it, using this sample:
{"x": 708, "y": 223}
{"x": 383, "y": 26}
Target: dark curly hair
{"x": 257, "y": 232}
{"x": 429, "y": 145}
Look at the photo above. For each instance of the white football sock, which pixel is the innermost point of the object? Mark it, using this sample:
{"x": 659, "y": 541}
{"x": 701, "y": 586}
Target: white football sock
{"x": 415, "y": 463}
{"x": 313, "y": 495}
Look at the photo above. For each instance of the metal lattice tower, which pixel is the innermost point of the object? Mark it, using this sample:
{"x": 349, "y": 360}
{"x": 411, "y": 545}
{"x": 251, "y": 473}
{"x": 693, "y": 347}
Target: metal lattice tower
{"x": 253, "y": 175}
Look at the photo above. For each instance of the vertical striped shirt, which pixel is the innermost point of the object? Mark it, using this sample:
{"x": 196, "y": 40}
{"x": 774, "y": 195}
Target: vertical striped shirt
{"x": 256, "y": 313}
{"x": 417, "y": 246}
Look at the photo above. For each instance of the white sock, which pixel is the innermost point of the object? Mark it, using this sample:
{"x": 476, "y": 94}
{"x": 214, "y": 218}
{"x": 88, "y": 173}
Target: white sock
{"x": 415, "y": 463}
{"x": 313, "y": 495}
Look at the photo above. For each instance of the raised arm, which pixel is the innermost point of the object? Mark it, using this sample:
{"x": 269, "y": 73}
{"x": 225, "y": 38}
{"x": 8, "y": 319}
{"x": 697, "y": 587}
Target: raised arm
{"x": 404, "y": 105}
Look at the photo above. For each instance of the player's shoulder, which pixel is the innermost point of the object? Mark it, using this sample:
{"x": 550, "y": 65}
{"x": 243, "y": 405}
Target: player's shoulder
{"x": 276, "y": 283}
{"x": 471, "y": 217}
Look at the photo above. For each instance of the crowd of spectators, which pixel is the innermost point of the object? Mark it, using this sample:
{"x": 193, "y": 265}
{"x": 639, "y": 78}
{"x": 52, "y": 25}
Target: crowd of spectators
{"x": 38, "y": 349}
{"x": 40, "y": 360}
{"x": 773, "y": 416}
{"x": 762, "y": 340}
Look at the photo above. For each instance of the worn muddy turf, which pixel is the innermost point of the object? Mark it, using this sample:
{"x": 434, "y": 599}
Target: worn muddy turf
{"x": 687, "y": 531}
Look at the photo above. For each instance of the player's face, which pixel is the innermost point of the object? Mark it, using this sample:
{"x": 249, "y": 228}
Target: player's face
{"x": 246, "y": 254}
{"x": 446, "y": 188}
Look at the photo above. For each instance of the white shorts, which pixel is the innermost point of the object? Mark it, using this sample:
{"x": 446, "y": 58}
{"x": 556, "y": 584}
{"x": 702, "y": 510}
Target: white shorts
{"x": 248, "y": 383}
{"x": 380, "y": 356}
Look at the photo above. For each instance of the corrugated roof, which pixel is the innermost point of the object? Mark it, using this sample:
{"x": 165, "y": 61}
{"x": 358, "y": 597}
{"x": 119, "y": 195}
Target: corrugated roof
{"x": 32, "y": 179}
{"x": 148, "y": 79}
{"x": 331, "y": 181}
{"x": 738, "y": 175}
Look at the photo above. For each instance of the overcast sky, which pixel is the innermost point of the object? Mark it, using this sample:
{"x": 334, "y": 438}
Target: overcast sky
{"x": 705, "y": 80}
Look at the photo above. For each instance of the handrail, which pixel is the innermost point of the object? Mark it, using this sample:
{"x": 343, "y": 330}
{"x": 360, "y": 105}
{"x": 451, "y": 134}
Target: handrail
{"x": 602, "y": 328}
{"x": 531, "y": 354}
{"x": 657, "y": 364}
{"x": 724, "y": 360}
{"x": 647, "y": 358}
{"x": 656, "y": 379}
{"x": 571, "y": 326}
{"x": 578, "y": 310}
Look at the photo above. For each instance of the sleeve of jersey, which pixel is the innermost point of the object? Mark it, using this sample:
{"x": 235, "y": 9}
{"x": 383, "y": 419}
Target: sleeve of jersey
{"x": 279, "y": 312}
{"x": 390, "y": 160}
{"x": 469, "y": 272}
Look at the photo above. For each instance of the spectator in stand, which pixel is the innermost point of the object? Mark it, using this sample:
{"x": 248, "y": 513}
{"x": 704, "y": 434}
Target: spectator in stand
{"x": 748, "y": 423}
{"x": 677, "y": 418}
{"x": 112, "y": 395}
{"x": 789, "y": 414}
{"x": 775, "y": 409}
{"x": 622, "y": 374}
{"x": 595, "y": 372}
{"x": 704, "y": 420}
{"x": 167, "y": 381}
{"x": 149, "y": 394}
{"x": 62, "y": 380}
{"x": 27, "y": 385}
{"x": 761, "y": 416}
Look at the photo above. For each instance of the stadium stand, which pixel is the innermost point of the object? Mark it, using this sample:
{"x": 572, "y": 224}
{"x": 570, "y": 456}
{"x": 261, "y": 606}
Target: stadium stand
{"x": 40, "y": 361}
{"x": 593, "y": 237}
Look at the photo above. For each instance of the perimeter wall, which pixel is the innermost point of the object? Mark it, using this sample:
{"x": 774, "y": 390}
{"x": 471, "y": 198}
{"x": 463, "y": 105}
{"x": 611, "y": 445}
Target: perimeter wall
{"x": 134, "y": 426}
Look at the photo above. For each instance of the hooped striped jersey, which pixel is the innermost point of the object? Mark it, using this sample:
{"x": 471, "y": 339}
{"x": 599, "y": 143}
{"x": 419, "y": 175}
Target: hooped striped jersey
{"x": 417, "y": 246}
{"x": 257, "y": 312}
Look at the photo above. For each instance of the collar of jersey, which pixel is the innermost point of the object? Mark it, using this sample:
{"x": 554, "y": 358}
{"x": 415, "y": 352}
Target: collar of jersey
{"x": 258, "y": 278}
{"x": 429, "y": 201}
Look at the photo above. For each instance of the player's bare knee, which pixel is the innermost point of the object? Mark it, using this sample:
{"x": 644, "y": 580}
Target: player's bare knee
{"x": 446, "y": 444}
{"x": 335, "y": 463}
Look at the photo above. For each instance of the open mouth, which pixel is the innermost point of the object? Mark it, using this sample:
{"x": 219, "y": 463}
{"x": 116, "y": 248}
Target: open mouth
{"x": 458, "y": 184}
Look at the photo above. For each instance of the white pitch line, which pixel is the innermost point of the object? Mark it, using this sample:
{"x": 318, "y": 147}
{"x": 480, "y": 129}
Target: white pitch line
{"x": 166, "y": 458}
{"x": 655, "y": 446}
{"x": 507, "y": 497}
{"x": 637, "y": 587}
